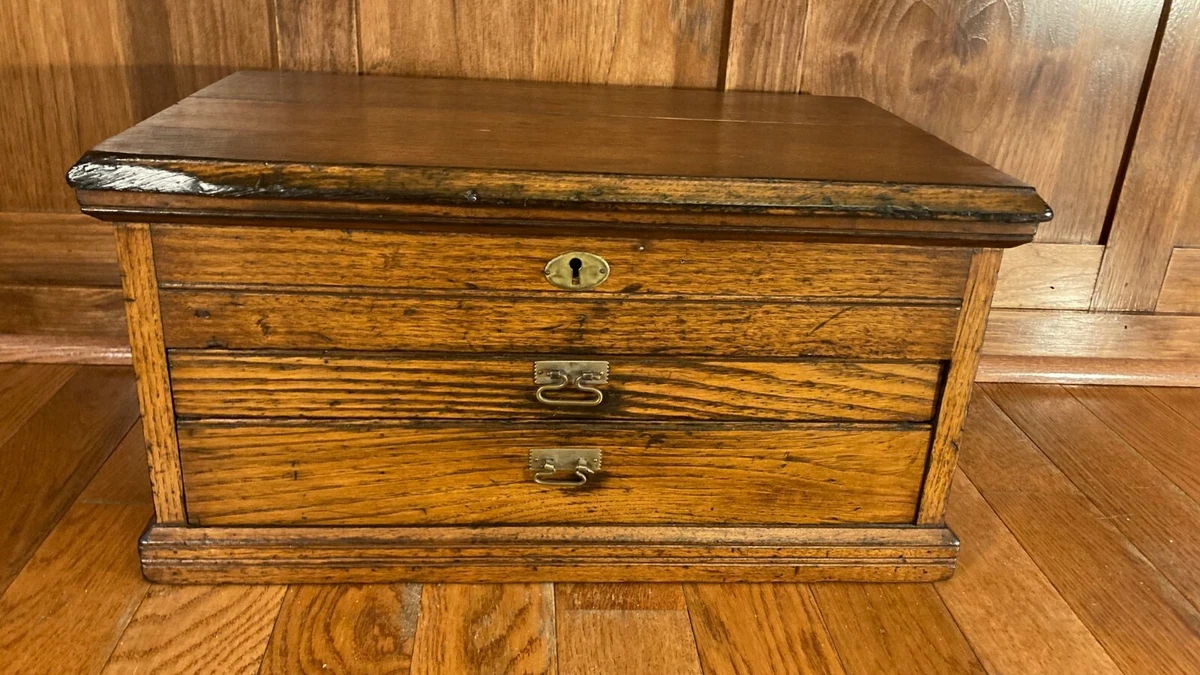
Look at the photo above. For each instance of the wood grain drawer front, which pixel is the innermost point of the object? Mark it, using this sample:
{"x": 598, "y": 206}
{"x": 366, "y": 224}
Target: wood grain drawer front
{"x": 573, "y": 324}
{"x": 283, "y": 385}
{"x": 422, "y": 474}
{"x": 263, "y": 256}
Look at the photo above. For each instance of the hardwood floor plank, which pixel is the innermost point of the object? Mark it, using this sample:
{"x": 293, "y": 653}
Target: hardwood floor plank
{"x": 1143, "y": 622}
{"x": 25, "y": 388}
{"x": 51, "y": 458}
{"x": 760, "y": 628}
{"x": 1009, "y": 611}
{"x": 345, "y": 629}
{"x": 124, "y": 478}
{"x": 624, "y": 628}
{"x": 1155, "y": 515}
{"x": 878, "y": 628}
{"x": 1183, "y": 400}
{"x": 66, "y": 609}
{"x": 1159, "y": 433}
{"x": 198, "y": 629}
{"x": 485, "y": 629}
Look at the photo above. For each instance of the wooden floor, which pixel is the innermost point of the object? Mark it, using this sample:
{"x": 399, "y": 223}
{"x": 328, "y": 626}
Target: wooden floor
{"x": 1078, "y": 507}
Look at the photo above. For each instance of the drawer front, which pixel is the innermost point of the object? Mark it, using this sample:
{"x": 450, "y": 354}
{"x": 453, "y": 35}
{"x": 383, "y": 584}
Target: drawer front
{"x": 365, "y": 386}
{"x": 424, "y": 474}
{"x": 569, "y": 323}
{"x": 266, "y": 256}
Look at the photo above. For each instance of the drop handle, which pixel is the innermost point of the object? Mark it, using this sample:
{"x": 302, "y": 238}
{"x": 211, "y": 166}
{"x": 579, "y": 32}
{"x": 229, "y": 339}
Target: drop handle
{"x": 574, "y": 376}
{"x": 564, "y": 467}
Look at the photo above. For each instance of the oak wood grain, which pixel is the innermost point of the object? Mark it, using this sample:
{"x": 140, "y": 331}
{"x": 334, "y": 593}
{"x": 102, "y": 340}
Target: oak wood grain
{"x": 284, "y": 384}
{"x": 877, "y": 627}
{"x": 1142, "y": 502}
{"x": 191, "y": 629}
{"x": 1158, "y": 199}
{"x": 320, "y": 35}
{"x": 1141, "y": 620}
{"x": 982, "y": 75}
{"x": 66, "y": 610}
{"x": 1158, "y": 431}
{"x": 956, "y": 392}
{"x": 143, "y": 314}
{"x": 621, "y": 628}
{"x": 506, "y": 628}
{"x": 636, "y": 42}
{"x": 1010, "y": 612}
{"x": 532, "y": 325}
{"x": 342, "y": 628}
{"x": 1048, "y": 276}
{"x": 747, "y": 628}
{"x": 1181, "y": 288}
{"x": 312, "y": 257}
{"x": 425, "y": 474}
{"x": 580, "y": 553}
{"x": 49, "y": 459}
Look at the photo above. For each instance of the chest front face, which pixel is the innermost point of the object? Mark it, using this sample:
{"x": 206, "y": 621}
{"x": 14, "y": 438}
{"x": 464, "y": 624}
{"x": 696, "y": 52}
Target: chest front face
{"x": 352, "y": 371}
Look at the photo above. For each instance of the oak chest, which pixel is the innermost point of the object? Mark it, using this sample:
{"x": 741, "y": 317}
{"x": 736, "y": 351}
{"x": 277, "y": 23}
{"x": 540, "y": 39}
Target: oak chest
{"x": 478, "y": 331}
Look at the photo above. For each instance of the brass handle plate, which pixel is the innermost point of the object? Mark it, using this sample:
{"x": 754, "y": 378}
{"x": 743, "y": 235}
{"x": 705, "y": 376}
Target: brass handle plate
{"x": 577, "y": 271}
{"x": 564, "y": 467}
{"x": 578, "y": 376}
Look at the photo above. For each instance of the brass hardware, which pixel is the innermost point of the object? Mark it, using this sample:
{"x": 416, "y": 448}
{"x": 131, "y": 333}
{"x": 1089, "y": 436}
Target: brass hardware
{"x": 576, "y": 375}
{"x": 577, "y": 271}
{"x": 583, "y": 463}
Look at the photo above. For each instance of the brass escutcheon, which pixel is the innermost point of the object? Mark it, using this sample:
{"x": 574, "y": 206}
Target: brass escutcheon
{"x": 577, "y": 271}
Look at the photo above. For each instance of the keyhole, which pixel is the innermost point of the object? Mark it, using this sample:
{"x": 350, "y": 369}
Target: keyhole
{"x": 575, "y": 264}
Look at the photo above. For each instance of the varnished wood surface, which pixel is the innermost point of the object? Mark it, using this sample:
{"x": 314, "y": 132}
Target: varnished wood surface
{"x": 1044, "y": 89}
{"x": 284, "y": 384}
{"x": 335, "y": 258}
{"x": 1029, "y": 595}
{"x": 1158, "y": 206}
{"x": 219, "y": 144}
{"x": 501, "y": 554}
{"x": 424, "y": 474}
{"x": 309, "y": 632}
{"x": 144, "y": 317}
{"x": 535, "y": 325}
{"x": 956, "y": 392}
{"x": 1181, "y": 287}
{"x": 53, "y": 448}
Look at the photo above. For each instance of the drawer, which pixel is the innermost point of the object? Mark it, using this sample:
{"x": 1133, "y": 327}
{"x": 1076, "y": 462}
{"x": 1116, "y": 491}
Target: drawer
{"x": 347, "y": 473}
{"x": 570, "y": 323}
{"x": 372, "y": 386}
{"x": 312, "y": 257}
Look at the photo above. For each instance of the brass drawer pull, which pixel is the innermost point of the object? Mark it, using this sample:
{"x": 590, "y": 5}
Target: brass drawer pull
{"x": 580, "y": 376}
{"x": 546, "y": 463}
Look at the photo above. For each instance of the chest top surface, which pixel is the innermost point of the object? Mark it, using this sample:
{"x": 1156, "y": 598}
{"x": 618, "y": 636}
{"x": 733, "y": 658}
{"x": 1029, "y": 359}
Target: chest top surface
{"x": 354, "y": 141}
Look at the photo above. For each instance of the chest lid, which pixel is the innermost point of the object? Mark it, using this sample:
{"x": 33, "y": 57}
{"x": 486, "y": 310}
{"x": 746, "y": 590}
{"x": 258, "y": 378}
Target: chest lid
{"x": 382, "y": 148}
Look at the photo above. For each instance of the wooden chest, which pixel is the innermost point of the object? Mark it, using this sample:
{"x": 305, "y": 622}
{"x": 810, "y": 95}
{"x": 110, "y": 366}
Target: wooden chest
{"x": 440, "y": 330}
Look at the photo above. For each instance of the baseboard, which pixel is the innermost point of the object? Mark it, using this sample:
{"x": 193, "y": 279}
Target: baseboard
{"x": 58, "y": 349}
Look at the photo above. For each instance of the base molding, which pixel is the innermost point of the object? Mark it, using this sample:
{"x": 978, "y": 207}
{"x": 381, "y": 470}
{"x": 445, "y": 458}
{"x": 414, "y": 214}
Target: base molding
{"x": 277, "y": 555}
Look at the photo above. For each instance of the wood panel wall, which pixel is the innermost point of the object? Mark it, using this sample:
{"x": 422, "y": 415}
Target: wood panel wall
{"x": 1091, "y": 102}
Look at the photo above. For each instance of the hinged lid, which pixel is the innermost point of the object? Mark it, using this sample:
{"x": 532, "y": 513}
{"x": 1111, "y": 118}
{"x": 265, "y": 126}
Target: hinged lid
{"x": 382, "y": 148}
